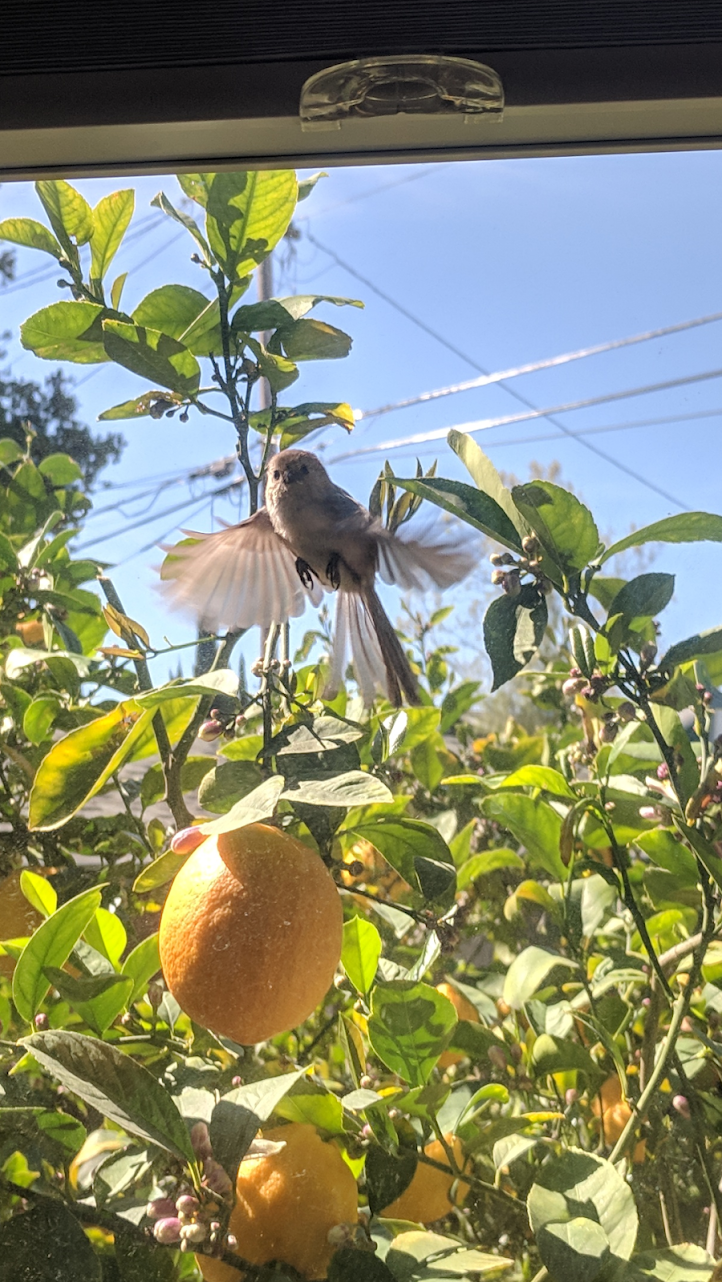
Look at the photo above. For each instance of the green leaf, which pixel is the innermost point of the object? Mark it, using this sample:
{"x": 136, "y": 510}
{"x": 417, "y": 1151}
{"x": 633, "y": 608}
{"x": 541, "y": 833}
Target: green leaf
{"x": 300, "y": 304}
{"x": 643, "y": 597}
{"x": 28, "y": 232}
{"x": 486, "y": 477}
{"x": 322, "y": 734}
{"x": 539, "y": 777}
{"x": 360, "y": 953}
{"x": 388, "y": 1175}
{"x": 353, "y": 788}
{"x": 278, "y": 370}
{"x": 488, "y": 861}
{"x": 172, "y": 309}
{"x": 152, "y": 355}
{"x": 39, "y": 717}
{"x": 472, "y": 506}
{"x": 696, "y": 647}
{"x": 350, "y": 1265}
{"x": 314, "y": 340}
{"x": 98, "y": 999}
{"x": 240, "y": 1113}
{"x": 255, "y": 318}
{"x": 60, "y": 469}
{"x": 433, "y": 1257}
{"x": 254, "y": 808}
{"x": 415, "y": 849}
{"x": 311, "y": 1103}
{"x": 78, "y": 765}
{"x": 70, "y": 214}
{"x": 557, "y": 1055}
{"x": 107, "y": 935}
{"x": 111, "y": 217}
{"x": 575, "y": 1182}
{"x": 514, "y": 628}
{"x": 227, "y": 783}
{"x": 116, "y": 290}
{"x": 457, "y": 702}
{"x": 306, "y": 185}
{"x": 47, "y": 1243}
{"x": 534, "y": 823}
{"x": 705, "y": 851}
{"x": 69, "y": 331}
{"x": 409, "y": 1027}
{"x": 10, "y": 452}
{"x": 528, "y": 973}
{"x": 564, "y": 526}
{"x": 162, "y": 202}
{"x": 51, "y": 945}
{"x": 149, "y": 405}
{"x": 686, "y": 527}
{"x": 141, "y": 965}
{"x": 247, "y": 213}
{"x": 138, "y": 1260}
{"x": 39, "y": 892}
{"x": 669, "y": 853}
{"x": 159, "y": 872}
{"x": 574, "y": 1249}
{"x": 114, "y": 1084}
{"x": 682, "y": 1263}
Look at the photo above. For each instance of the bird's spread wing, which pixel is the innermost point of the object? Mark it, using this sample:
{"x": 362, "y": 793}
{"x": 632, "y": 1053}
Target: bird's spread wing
{"x": 421, "y": 558}
{"x": 237, "y": 577}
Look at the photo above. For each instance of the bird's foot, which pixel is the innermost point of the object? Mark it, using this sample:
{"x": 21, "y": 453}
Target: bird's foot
{"x": 304, "y": 573}
{"x": 332, "y": 572}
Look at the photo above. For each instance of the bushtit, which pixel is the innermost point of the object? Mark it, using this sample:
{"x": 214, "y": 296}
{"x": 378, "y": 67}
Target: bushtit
{"x": 312, "y": 535}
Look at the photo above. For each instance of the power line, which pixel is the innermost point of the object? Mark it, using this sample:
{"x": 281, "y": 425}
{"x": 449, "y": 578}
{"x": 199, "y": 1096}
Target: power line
{"x": 480, "y": 425}
{"x": 156, "y": 516}
{"x": 415, "y": 320}
{"x": 533, "y": 367}
{"x": 364, "y": 195}
{"x": 588, "y": 431}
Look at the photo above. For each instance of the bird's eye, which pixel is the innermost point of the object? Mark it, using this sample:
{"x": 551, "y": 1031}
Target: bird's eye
{"x": 276, "y": 473}
{"x": 304, "y": 470}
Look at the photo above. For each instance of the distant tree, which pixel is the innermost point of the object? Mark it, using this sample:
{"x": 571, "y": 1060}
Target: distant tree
{"x": 7, "y": 267}
{"x": 50, "y": 409}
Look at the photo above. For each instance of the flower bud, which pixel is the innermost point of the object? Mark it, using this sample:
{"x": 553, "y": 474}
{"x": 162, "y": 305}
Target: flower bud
{"x": 497, "y": 577}
{"x": 210, "y": 730}
{"x": 231, "y": 1241}
{"x": 167, "y": 1230}
{"x": 663, "y": 770}
{"x": 156, "y": 993}
{"x": 160, "y": 1208}
{"x": 194, "y": 1233}
{"x": 497, "y": 1057}
{"x": 608, "y": 732}
{"x": 530, "y": 544}
{"x": 340, "y": 1235}
{"x": 366, "y": 1081}
{"x": 187, "y": 1204}
{"x": 354, "y": 868}
{"x": 41, "y": 1022}
{"x": 647, "y": 654}
{"x": 200, "y": 1139}
{"x": 571, "y": 1096}
{"x": 186, "y": 840}
{"x": 681, "y": 1104}
{"x": 573, "y": 686}
{"x": 651, "y": 812}
{"x": 512, "y": 583}
{"x": 236, "y": 1081}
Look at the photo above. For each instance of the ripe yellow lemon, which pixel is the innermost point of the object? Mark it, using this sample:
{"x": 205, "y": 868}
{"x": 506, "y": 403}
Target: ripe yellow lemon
{"x": 287, "y": 1203}
{"x": 428, "y": 1196}
{"x": 465, "y": 1010}
{"x": 615, "y": 1112}
{"x": 250, "y": 934}
{"x": 17, "y": 917}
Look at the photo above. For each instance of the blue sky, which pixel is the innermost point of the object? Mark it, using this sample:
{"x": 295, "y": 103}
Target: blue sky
{"x": 508, "y": 261}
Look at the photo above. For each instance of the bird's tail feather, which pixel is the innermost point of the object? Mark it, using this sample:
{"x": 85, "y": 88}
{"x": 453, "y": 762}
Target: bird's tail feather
{"x": 379, "y": 661}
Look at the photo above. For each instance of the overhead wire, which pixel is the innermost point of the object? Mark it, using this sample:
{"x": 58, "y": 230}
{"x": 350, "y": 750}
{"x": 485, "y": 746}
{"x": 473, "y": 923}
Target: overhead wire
{"x": 428, "y": 329}
{"x": 533, "y": 367}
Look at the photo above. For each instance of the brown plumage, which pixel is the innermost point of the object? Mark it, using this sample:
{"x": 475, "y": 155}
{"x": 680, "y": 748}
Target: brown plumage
{"x": 310, "y": 536}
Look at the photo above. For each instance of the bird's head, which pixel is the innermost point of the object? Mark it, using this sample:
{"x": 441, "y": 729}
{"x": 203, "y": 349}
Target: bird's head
{"x": 291, "y": 467}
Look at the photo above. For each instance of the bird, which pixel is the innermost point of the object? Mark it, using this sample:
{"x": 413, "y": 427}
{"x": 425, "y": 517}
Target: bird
{"x": 309, "y": 537}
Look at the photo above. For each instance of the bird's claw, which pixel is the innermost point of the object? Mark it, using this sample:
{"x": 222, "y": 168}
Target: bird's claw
{"x": 304, "y": 573}
{"x": 332, "y": 573}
